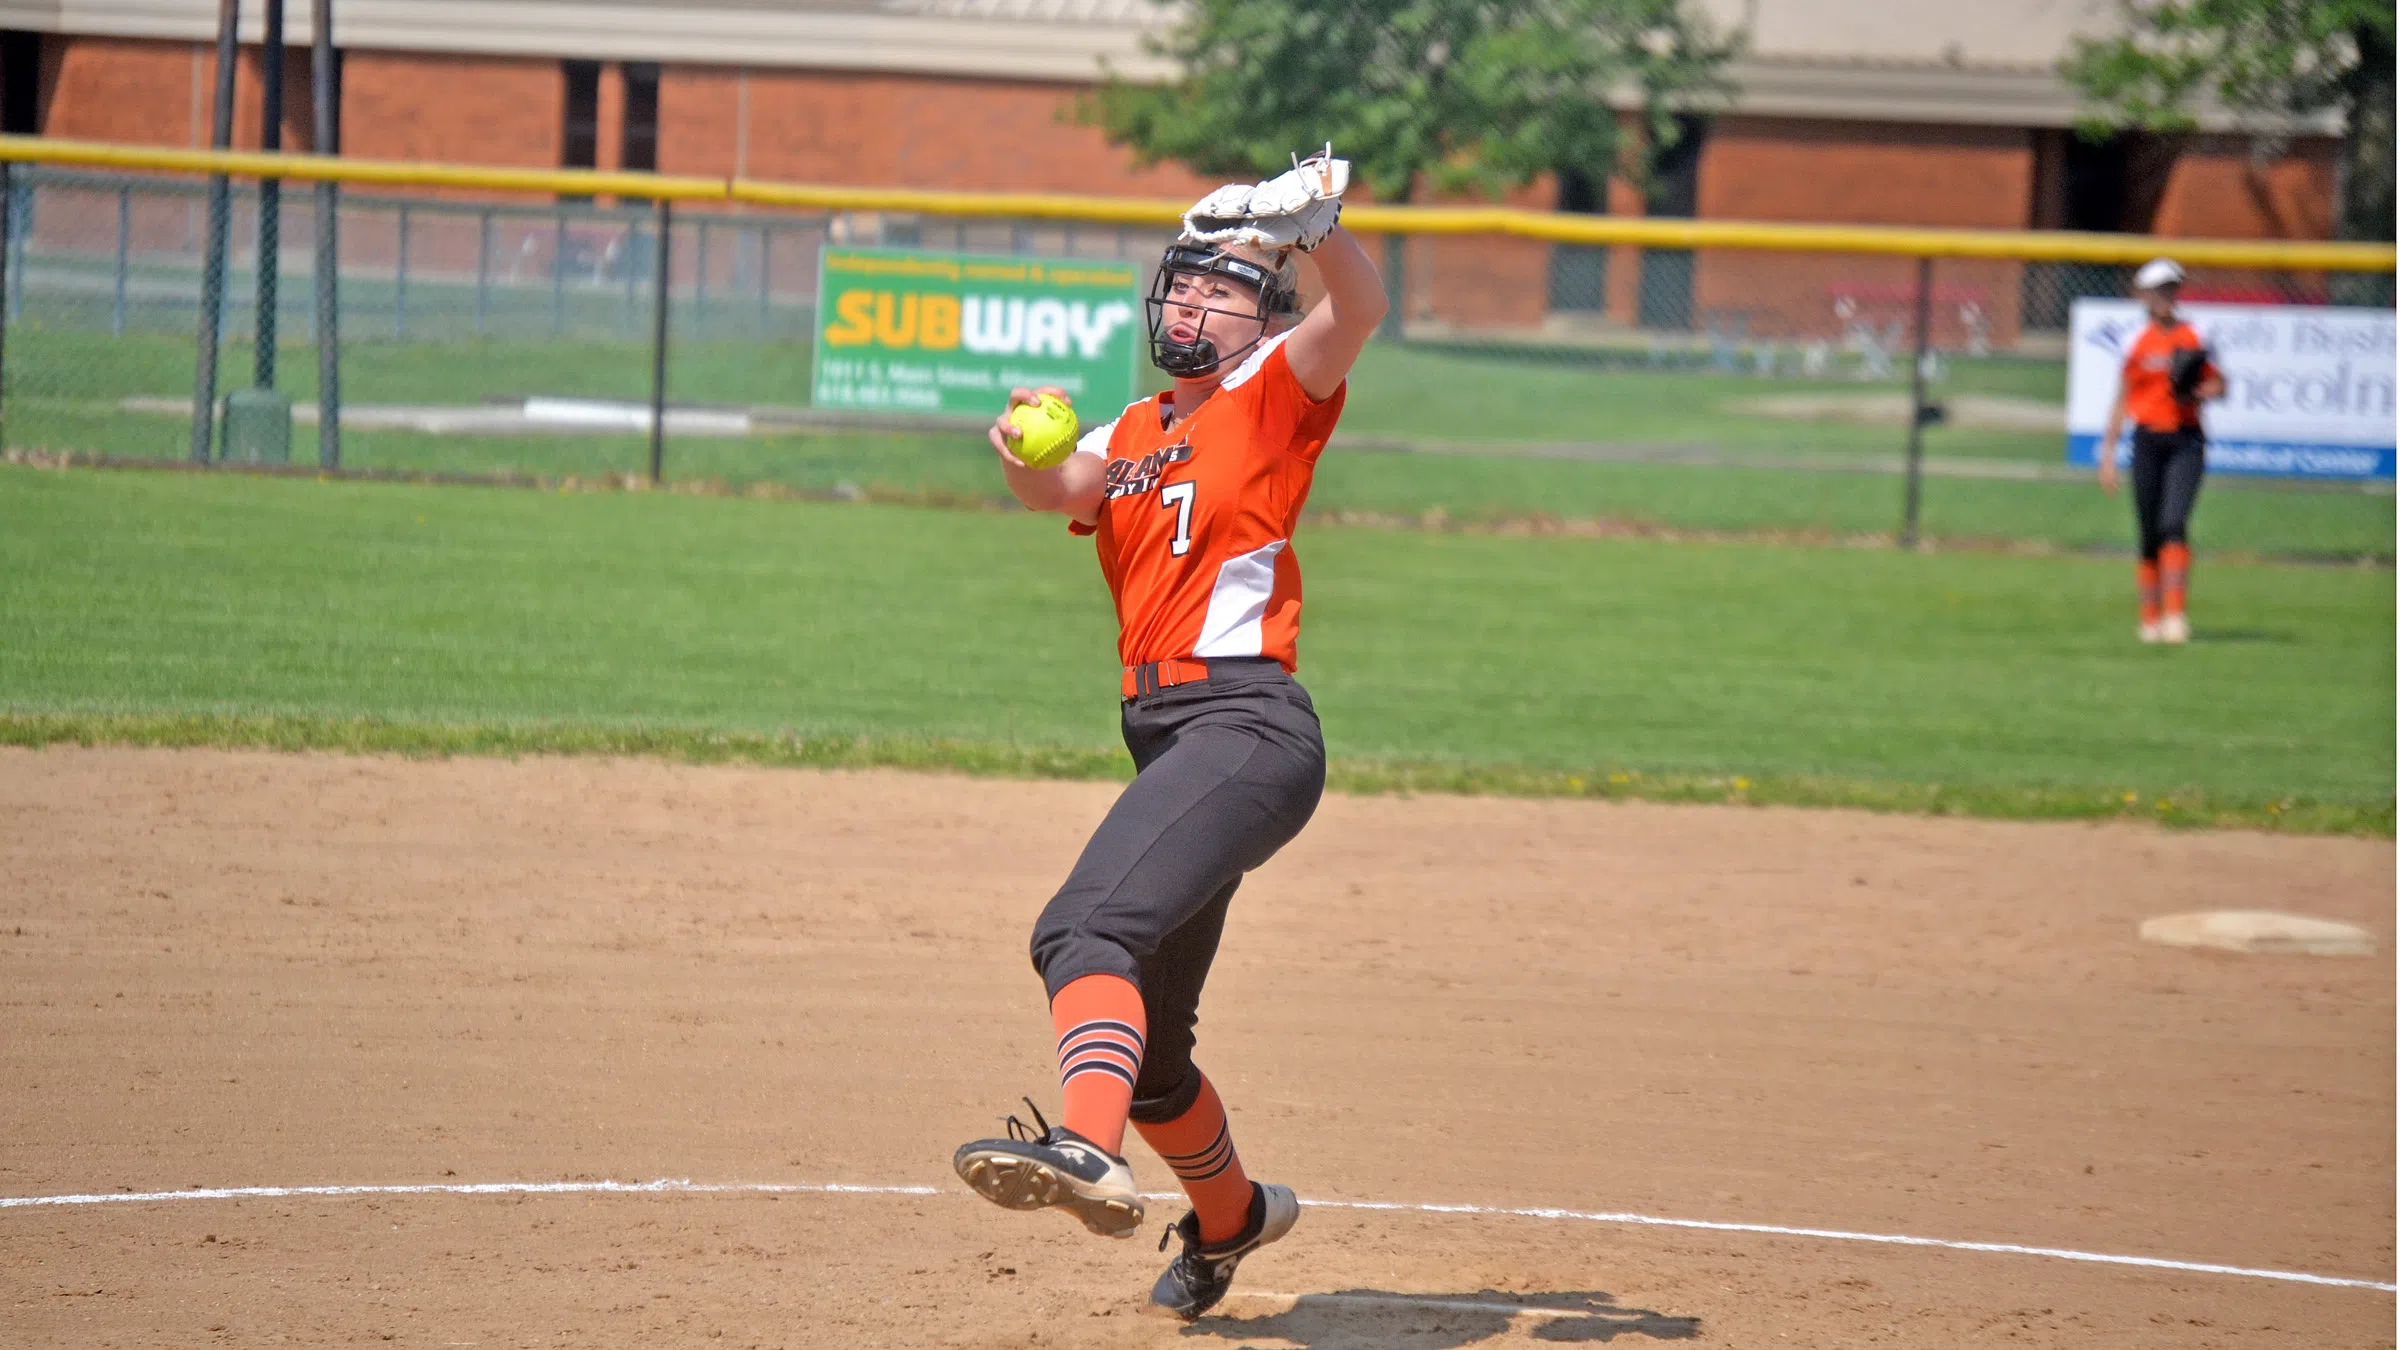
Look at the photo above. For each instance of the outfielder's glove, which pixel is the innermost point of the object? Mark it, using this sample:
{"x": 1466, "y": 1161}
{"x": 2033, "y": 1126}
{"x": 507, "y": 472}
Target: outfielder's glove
{"x": 2184, "y": 369}
{"x": 1296, "y": 209}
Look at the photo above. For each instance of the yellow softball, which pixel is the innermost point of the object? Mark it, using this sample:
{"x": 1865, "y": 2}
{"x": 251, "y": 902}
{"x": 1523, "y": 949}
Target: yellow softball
{"x": 1046, "y": 431}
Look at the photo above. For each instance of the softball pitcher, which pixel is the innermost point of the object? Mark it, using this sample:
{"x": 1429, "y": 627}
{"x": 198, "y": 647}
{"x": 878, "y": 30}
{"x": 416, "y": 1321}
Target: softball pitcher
{"x": 1192, "y": 496}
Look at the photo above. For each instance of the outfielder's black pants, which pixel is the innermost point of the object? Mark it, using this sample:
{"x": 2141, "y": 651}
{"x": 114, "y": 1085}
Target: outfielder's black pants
{"x": 1229, "y": 769}
{"x": 2167, "y": 466}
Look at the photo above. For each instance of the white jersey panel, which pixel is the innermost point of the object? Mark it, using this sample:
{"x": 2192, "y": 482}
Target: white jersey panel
{"x": 1095, "y": 441}
{"x": 1237, "y": 607}
{"x": 1252, "y": 363}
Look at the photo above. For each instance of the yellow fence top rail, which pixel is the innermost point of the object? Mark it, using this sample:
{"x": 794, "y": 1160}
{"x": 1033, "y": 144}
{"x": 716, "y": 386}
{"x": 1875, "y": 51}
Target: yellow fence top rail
{"x": 1644, "y": 232}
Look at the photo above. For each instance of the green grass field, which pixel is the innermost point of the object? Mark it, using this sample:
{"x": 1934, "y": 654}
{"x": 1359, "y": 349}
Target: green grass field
{"x": 179, "y": 608}
{"x": 65, "y": 387}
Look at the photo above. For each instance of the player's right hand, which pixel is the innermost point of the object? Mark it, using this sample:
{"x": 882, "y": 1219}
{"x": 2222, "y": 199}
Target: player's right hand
{"x": 2108, "y": 468}
{"x": 1004, "y": 433}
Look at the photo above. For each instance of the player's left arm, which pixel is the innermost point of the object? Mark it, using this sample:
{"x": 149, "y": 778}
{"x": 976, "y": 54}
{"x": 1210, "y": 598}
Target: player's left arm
{"x": 1327, "y": 342}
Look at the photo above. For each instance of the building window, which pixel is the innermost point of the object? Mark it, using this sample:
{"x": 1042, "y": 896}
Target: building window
{"x": 641, "y": 116}
{"x": 1579, "y": 272}
{"x": 579, "y": 142}
{"x": 1674, "y": 192}
{"x": 20, "y": 83}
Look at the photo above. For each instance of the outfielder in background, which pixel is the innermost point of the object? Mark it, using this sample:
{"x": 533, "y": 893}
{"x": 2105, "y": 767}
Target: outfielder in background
{"x": 2167, "y": 375}
{"x": 1193, "y": 495}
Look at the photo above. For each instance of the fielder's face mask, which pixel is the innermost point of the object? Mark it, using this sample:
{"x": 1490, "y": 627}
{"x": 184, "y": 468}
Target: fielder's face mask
{"x": 1195, "y": 266}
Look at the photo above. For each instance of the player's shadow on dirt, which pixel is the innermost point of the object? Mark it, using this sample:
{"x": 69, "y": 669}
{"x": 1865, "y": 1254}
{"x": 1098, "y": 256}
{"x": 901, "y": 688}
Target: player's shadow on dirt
{"x": 1369, "y": 1319}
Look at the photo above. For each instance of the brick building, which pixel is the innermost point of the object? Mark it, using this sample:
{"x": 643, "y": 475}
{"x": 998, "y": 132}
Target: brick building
{"x": 1847, "y": 112}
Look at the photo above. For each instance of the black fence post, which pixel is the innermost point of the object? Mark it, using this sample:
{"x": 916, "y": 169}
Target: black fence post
{"x": 326, "y": 139}
{"x": 1918, "y": 413}
{"x": 270, "y": 198}
{"x": 220, "y": 212}
{"x": 8, "y": 194}
{"x": 658, "y": 347}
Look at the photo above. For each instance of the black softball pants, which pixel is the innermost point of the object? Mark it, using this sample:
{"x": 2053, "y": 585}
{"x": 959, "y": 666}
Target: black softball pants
{"x": 1228, "y": 771}
{"x": 2167, "y": 466}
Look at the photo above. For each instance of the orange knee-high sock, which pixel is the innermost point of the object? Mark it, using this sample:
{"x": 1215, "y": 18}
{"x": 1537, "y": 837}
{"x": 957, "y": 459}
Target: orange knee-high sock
{"x": 2145, "y": 574}
{"x": 2175, "y": 574}
{"x": 1199, "y": 1145}
{"x": 1100, "y": 1026}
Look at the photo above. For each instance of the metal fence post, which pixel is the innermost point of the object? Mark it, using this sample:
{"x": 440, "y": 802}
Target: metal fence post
{"x": 400, "y": 279}
{"x": 116, "y": 314}
{"x": 658, "y": 346}
{"x": 766, "y": 279}
{"x": 270, "y": 197}
{"x": 212, "y": 266}
{"x": 1914, "y": 492}
{"x": 327, "y": 140}
{"x": 8, "y": 193}
{"x": 483, "y": 270}
{"x": 558, "y": 276}
{"x": 633, "y": 274}
{"x": 700, "y": 281}
{"x": 16, "y": 246}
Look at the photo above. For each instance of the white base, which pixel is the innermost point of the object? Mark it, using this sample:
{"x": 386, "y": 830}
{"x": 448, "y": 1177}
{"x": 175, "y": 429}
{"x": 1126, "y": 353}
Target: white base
{"x": 2260, "y": 930}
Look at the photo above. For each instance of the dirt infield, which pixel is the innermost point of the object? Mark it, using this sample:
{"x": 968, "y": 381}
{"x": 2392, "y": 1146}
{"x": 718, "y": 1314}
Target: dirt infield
{"x": 231, "y": 970}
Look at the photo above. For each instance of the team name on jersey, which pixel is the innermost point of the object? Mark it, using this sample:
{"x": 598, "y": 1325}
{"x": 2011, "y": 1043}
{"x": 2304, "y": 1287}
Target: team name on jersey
{"x": 1133, "y": 477}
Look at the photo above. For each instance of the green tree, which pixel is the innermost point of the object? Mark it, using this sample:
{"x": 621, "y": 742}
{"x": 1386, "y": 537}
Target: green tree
{"x": 1441, "y": 95}
{"x": 2269, "y": 62}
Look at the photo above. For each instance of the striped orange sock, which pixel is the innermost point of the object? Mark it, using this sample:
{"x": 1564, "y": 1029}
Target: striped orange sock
{"x": 1199, "y": 1145}
{"x": 2175, "y": 574}
{"x": 1100, "y": 1025}
{"x": 2145, "y": 574}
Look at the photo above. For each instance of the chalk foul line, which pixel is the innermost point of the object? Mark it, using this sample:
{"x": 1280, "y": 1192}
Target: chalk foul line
{"x": 666, "y": 1186}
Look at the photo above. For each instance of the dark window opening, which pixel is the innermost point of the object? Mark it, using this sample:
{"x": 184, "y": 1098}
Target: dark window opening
{"x": 21, "y": 83}
{"x": 1579, "y": 272}
{"x": 1674, "y": 189}
{"x": 2094, "y": 184}
{"x": 641, "y": 116}
{"x": 579, "y": 140}
{"x": 2110, "y": 186}
{"x": 1673, "y": 192}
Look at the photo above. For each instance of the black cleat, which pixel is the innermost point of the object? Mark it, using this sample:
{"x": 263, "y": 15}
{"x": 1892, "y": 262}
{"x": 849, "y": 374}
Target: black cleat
{"x": 1199, "y": 1277}
{"x": 1043, "y": 1166}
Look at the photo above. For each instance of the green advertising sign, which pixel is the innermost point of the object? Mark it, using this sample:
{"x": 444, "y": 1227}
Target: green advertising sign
{"x": 899, "y": 330}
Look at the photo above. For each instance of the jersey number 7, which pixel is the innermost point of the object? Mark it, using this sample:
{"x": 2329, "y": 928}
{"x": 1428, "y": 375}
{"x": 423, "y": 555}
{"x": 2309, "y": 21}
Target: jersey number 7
{"x": 1179, "y": 496}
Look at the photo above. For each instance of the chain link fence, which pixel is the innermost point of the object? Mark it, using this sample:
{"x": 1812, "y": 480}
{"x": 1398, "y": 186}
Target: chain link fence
{"x": 516, "y": 338}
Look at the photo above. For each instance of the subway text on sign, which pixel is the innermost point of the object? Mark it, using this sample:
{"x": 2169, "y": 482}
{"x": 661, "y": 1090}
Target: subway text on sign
{"x": 989, "y": 325}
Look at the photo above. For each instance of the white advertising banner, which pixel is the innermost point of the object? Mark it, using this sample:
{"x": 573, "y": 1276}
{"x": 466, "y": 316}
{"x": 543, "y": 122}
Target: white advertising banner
{"x": 2308, "y": 388}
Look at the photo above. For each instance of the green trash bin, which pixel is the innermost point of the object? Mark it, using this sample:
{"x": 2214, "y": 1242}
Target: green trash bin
{"x": 257, "y": 428}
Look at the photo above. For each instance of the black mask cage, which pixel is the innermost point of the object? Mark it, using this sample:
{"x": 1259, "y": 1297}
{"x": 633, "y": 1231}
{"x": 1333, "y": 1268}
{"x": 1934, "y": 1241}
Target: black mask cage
{"x": 1199, "y": 357}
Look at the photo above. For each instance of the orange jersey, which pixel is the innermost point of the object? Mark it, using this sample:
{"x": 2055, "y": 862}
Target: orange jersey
{"x": 2149, "y": 400}
{"x": 1195, "y": 527}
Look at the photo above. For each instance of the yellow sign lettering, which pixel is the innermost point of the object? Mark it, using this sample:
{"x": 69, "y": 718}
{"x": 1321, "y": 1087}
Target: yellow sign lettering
{"x": 895, "y": 330}
{"x": 937, "y": 322}
{"x": 856, "y": 325}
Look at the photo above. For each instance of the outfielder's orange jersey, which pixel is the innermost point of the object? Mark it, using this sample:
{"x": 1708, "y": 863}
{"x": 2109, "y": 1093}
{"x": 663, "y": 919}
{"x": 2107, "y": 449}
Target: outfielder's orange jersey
{"x": 2149, "y": 398}
{"x": 1195, "y": 528}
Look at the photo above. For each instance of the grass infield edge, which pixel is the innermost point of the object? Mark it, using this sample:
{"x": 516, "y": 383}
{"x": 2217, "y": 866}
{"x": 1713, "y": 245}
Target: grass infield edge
{"x": 2177, "y": 808}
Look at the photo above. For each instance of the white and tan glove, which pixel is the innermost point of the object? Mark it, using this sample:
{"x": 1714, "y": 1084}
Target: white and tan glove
{"x": 1295, "y": 209}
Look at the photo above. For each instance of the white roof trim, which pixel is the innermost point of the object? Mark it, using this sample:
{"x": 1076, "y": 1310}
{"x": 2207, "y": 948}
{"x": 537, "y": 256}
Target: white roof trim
{"x": 824, "y": 36}
{"x": 1068, "y": 41}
